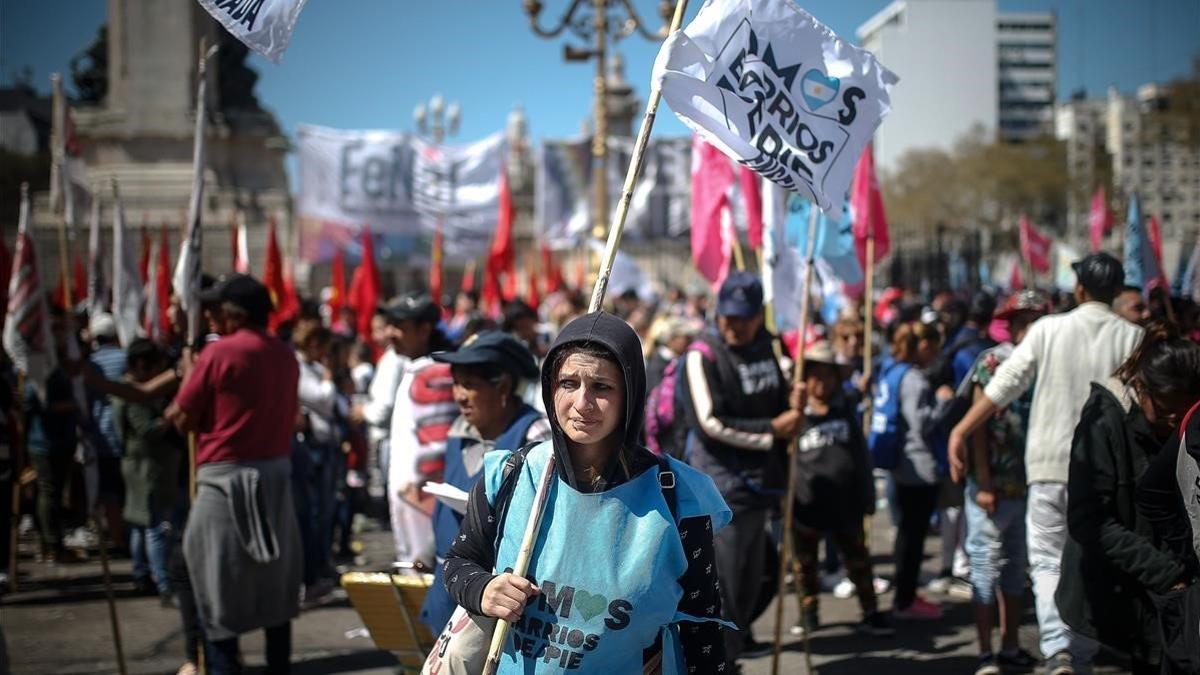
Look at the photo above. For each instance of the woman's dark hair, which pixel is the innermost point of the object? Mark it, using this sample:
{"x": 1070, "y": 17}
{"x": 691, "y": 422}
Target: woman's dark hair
{"x": 908, "y": 335}
{"x": 1164, "y": 363}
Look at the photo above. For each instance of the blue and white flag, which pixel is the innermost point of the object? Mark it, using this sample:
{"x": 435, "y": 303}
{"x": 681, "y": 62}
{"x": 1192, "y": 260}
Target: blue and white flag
{"x": 1141, "y": 267}
{"x": 262, "y": 25}
{"x": 777, "y": 91}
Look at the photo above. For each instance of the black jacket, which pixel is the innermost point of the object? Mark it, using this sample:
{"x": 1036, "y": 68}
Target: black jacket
{"x": 1110, "y": 561}
{"x": 733, "y": 394}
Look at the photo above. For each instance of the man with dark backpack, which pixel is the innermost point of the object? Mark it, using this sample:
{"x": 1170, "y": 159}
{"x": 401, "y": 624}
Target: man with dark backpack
{"x": 740, "y": 414}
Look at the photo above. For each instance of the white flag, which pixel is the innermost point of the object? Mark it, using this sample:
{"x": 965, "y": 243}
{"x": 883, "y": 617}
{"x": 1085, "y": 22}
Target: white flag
{"x": 153, "y": 321}
{"x": 778, "y": 91}
{"x": 262, "y": 25}
{"x": 27, "y": 337}
{"x": 97, "y": 290}
{"x": 241, "y": 260}
{"x": 127, "y": 283}
{"x": 186, "y": 278}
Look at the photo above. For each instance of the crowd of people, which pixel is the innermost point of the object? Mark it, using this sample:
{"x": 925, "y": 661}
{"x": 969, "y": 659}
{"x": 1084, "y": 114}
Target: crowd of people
{"x": 1047, "y": 438}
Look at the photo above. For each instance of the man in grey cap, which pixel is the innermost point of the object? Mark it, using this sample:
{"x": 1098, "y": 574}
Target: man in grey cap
{"x": 421, "y": 417}
{"x": 1064, "y": 354}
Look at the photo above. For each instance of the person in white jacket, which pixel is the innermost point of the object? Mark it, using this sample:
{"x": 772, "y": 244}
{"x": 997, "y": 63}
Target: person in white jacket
{"x": 1064, "y": 354}
{"x": 321, "y": 467}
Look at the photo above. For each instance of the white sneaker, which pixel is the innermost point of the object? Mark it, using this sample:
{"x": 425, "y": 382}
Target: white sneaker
{"x": 939, "y": 584}
{"x": 844, "y": 589}
{"x": 881, "y": 585}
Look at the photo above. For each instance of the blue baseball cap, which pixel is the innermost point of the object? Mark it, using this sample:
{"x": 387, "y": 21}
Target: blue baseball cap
{"x": 494, "y": 348}
{"x": 741, "y": 295}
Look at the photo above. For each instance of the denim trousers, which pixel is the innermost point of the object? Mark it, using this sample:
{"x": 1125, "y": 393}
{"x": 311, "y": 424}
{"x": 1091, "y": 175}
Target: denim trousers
{"x": 149, "y": 547}
{"x": 995, "y": 546}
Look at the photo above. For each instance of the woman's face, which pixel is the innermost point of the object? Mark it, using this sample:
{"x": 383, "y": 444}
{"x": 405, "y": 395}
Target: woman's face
{"x": 927, "y": 352}
{"x": 1164, "y": 412}
{"x": 481, "y": 402}
{"x": 589, "y": 398}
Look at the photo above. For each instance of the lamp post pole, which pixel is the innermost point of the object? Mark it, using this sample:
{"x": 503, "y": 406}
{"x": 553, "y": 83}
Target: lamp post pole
{"x": 436, "y": 120}
{"x": 609, "y": 20}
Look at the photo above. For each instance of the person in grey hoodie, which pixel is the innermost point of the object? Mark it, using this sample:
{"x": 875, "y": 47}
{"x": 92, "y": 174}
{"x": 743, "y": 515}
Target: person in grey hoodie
{"x": 920, "y": 468}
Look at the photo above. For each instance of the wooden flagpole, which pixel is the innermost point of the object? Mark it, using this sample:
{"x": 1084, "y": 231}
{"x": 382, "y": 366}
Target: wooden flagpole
{"x": 868, "y": 356}
{"x": 785, "y": 554}
{"x": 606, "y": 264}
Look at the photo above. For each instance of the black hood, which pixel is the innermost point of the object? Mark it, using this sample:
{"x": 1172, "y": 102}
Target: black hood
{"x": 614, "y": 335}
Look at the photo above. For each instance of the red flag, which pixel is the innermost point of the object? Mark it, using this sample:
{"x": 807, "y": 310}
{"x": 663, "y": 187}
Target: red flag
{"x": 551, "y": 273}
{"x": 1155, "y": 234}
{"x": 712, "y": 175}
{"x": 273, "y": 277}
{"x": 337, "y": 285}
{"x": 580, "y": 273}
{"x": 752, "y": 198}
{"x": 1035, "y": 247}
{"x": 435, "y": 268}
{"x": 533, "y": 294}
{"x": 1016, "y": 281}
{"x": 144, "y": 261}
{"x": 1100, "y": 220}
{"x": 364, "y": 286}
{"x": 162, "y": 280}
{"x": 866, "y": 201}
{"x": 468, "y": 277}
{"x": 501, "y": 257}
{"x": 289, "y": 307}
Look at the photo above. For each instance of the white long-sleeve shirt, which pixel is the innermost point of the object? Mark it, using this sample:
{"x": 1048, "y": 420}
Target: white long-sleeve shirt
{"x": 320, "y": 400}
{"x": 381, "y": 396}
{"x": 1063, "y": 354}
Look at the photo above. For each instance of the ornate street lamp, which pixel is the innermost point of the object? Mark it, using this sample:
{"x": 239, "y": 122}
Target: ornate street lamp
{"x": 598, "y": 21}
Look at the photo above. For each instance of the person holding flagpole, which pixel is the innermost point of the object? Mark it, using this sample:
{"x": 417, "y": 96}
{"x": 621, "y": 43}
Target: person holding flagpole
{"x": 639, "y": 593}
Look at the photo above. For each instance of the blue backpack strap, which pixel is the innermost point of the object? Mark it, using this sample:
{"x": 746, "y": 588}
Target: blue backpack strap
{"x": 666, "y": 482}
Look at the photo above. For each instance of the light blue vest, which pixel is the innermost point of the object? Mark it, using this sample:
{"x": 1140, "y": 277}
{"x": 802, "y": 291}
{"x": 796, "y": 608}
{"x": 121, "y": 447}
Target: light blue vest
{"x": 607, "y": 563}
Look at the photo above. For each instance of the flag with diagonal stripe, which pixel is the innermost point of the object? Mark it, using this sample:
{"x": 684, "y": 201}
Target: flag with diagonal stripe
{"x": 27, "y": 337}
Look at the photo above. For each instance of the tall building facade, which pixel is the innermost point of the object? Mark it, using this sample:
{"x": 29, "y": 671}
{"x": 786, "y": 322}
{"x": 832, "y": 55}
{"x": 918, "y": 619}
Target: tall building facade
{"x": 1026, "y": 72}
{"x": 945, "y": 54}
{"x": 968, "y": 67}
{"x": 1151, "y": 156}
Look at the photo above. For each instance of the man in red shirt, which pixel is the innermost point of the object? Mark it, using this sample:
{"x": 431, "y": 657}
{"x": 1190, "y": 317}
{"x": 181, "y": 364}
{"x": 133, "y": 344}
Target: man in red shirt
{"x": 242, "y": 543}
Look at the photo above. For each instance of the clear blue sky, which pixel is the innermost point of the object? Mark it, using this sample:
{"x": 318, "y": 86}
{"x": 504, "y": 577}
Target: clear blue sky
{"x": 366, "y": 63}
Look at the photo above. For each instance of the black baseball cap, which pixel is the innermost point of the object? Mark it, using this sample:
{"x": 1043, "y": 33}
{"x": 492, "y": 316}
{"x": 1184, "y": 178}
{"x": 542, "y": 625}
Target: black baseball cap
{"x": 415, "y": 305}
{"x": 242, "y": 290}
{"x": 495, "y": 348}
{"x": 741, "y": 295}
{"x": 1100, "y": 274}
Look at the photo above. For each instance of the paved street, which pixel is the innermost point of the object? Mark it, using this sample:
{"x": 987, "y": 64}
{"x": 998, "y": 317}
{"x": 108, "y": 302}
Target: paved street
{"x": 58, "y": 623}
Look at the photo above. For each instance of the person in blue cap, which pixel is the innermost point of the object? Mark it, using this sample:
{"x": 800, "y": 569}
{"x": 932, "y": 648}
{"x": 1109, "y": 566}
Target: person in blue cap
{"x": 488, "y": 371}
{"x": 622, "y": 577}
{"x": 742, "y": 413}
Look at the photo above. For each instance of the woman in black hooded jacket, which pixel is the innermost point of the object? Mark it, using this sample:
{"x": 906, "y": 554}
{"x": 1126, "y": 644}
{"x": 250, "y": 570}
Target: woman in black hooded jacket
{"x": 1110, "y": 562}
{"x": 620, "y": 525}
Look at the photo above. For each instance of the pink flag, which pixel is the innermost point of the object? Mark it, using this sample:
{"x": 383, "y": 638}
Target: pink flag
{"x": 751, "y": 188}
{"x": 1099, "y": 220}
{"x": 866, "y": 202}
{"x": 1016, "y": 280}
{"x": 712, "y": 176}
{"x": 1035, "y": 247}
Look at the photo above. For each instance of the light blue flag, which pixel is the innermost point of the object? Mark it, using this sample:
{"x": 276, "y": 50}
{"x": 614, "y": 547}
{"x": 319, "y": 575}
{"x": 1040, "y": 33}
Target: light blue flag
{"x": 1140, "y": 266}
{"x": 835, "y": 240}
